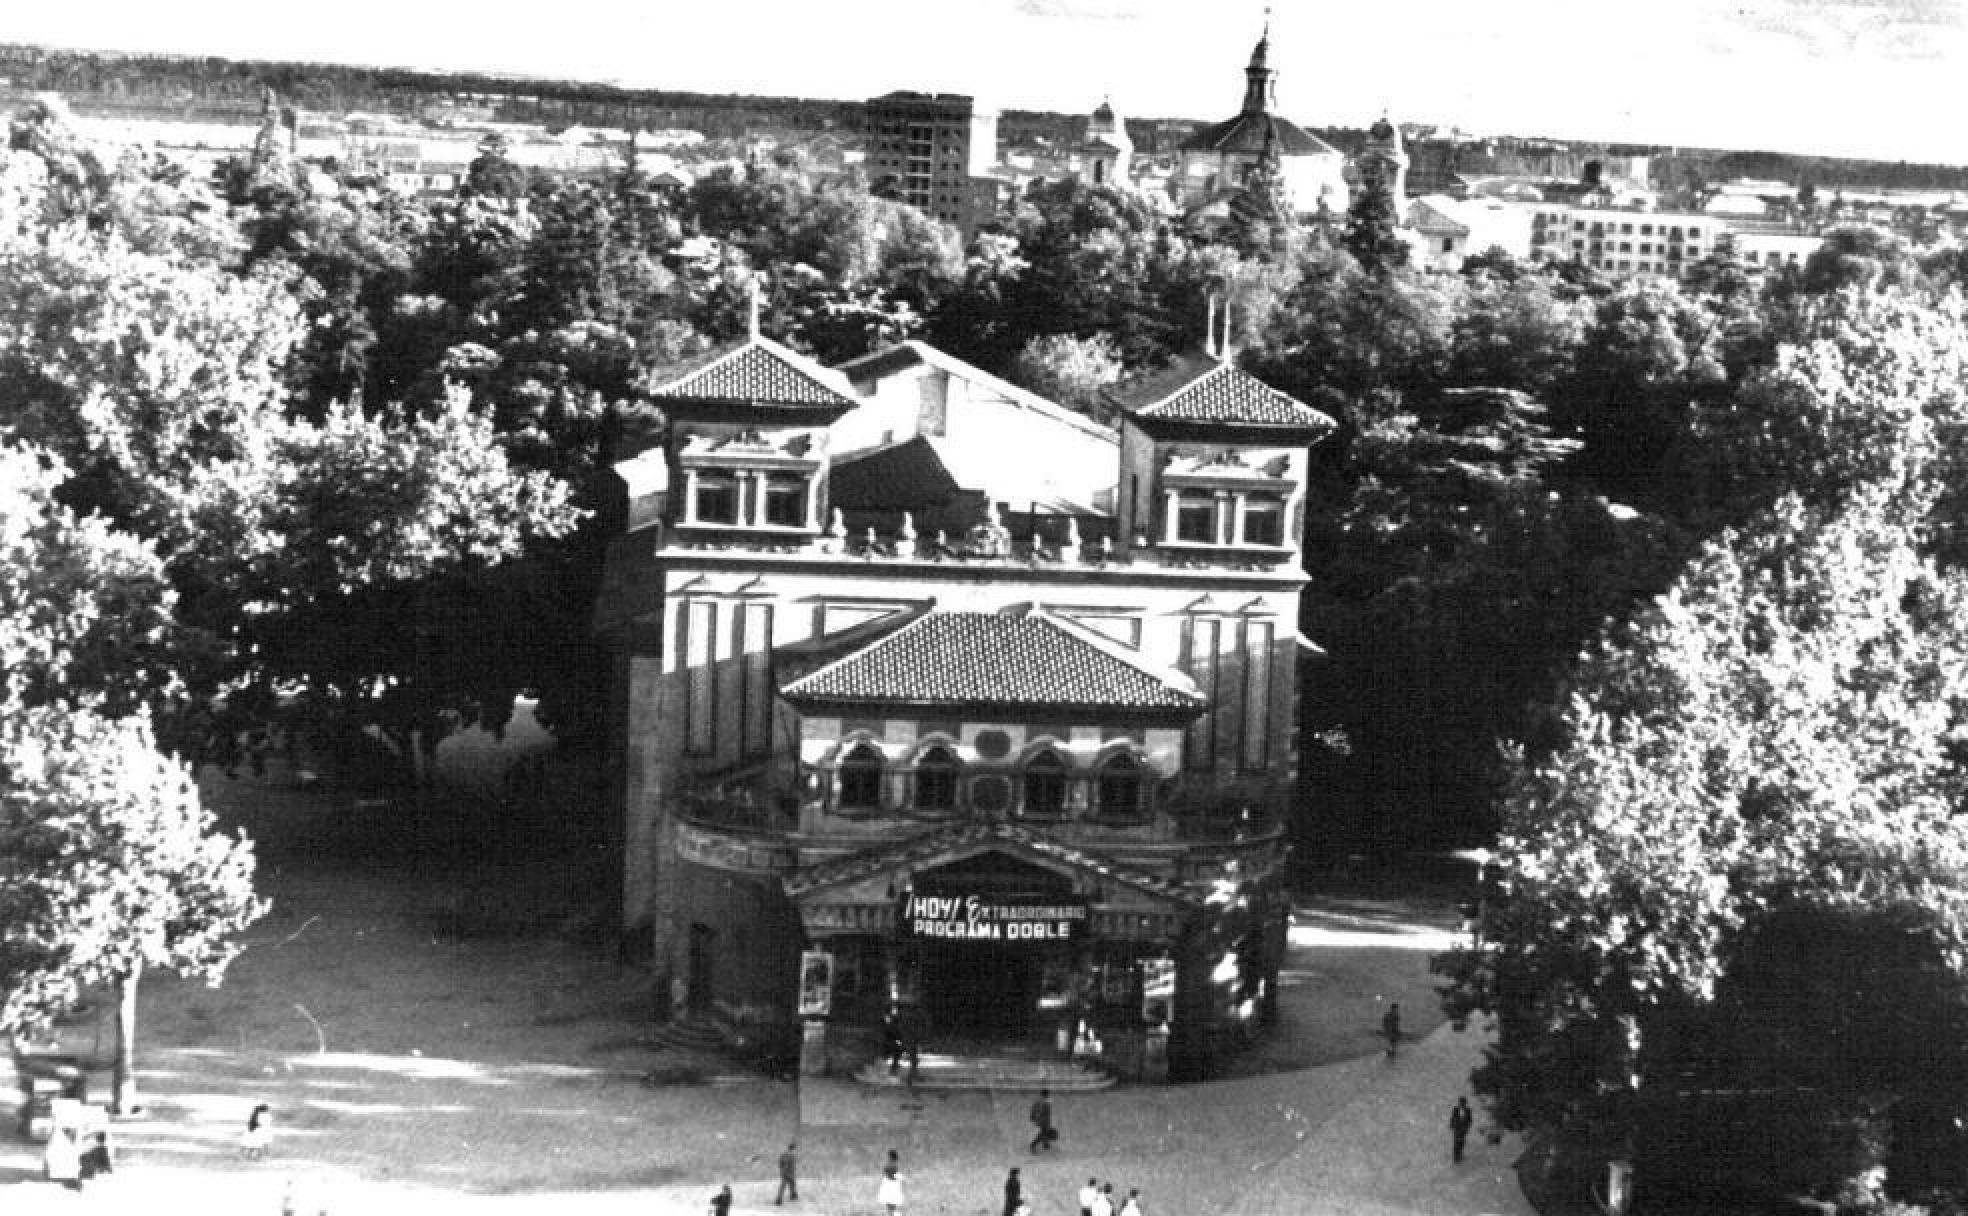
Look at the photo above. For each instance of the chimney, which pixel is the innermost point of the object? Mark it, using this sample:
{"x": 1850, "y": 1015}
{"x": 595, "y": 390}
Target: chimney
{"x": 1209, "y": 328}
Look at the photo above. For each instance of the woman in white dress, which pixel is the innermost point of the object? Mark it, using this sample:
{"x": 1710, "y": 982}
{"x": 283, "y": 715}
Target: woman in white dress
{"x": 890, "y": 1193}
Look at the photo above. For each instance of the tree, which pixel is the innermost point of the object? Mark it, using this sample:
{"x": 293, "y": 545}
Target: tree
{"x": 108, "y": 866}
{"x": 1372, "y": 232}
{"x": 1072, "y": 371}
{"x": 1777, "y": 736}
{"x": 108, "y": 863}
{"x": 160, "y": 380}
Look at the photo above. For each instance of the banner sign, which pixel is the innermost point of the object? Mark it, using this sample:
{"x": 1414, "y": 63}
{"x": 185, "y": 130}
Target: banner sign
{"x": 993, "y": 918}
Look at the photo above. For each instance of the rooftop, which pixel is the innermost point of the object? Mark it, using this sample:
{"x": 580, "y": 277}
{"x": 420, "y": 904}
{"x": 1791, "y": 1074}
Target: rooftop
{"x": 757, "y": 372}
{"x": 1029, "y": 661}
{"x": 1199, "y": 388}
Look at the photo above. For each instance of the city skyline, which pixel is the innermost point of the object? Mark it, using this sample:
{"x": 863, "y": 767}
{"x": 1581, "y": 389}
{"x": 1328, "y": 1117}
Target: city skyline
{"x": 1864, "y": 78}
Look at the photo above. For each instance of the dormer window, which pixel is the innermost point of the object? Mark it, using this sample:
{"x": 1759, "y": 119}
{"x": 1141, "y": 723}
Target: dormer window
{"x": 750, "y": 480}
{"x": 1225, "y": 517}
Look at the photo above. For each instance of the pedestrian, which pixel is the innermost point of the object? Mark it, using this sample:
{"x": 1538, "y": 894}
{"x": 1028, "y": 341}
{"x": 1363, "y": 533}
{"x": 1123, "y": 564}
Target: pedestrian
{"x": 1460, "y": 1119}
{"x": 892, "y": 1043}
{"x": 1390, "y": 1027}
{"x": 1131, "y": 1206}
{"x": 1088, "y": 1194}
{"x": 788, "y": 1175}
{"x": 1047, "y": 1135}
{"x": 1014, "y": 1193}
{"x": 258, "y": 1135}
{"x": 61, "y": 1159}
{"x": 97, "y": 1159}
{"x": 889, "y": 1194}
{"x": 1105, "y": 1201}
{"x": 721, "y": 1202}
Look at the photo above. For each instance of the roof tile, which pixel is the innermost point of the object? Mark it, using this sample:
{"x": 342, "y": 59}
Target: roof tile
{"x": 759, "y": 372}
{"x": 1201, "y": 389}
{"x": 983, "y": 658}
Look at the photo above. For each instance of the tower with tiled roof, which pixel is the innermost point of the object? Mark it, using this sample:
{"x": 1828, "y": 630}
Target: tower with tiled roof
{"x": 1213, "y": 462}
{"x": 1220, "y": 160}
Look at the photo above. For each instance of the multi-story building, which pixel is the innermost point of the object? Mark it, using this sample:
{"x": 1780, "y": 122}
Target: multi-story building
{"x": 930, "y": 147}
{"x": 1622, "y": 242}
{"x": 945, "y": 707}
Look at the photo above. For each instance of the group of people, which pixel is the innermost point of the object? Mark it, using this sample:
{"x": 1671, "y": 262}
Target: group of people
{"x": 72, "y": 1160}
{"x": 1096, "y": 1198}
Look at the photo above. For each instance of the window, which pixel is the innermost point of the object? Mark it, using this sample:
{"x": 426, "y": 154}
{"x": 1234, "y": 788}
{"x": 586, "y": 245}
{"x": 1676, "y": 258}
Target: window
{"x": 1195, "y": 519}
{"x": 1118, "y": 791}
{"x": 785, "y": 502}
{"x": 1045, "y": 784}
{"x": 717, "y": 498}
{"x": 936, "y": 779}
{"x": 860, "y": 779}
{"x": 1448, "y": 244}
{"x": 1264, "y": 521}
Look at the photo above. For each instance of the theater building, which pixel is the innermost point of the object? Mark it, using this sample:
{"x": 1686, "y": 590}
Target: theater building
{"x": 939, "y": 701}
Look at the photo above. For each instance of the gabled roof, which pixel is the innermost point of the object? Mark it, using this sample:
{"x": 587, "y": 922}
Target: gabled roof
{"x": 1247, "y": 132}
{"x": 757, "y": 372}
{"x": 1201, "y": 389}
{"x": 1030, "y": 661}
{"x": 910, "y": 855}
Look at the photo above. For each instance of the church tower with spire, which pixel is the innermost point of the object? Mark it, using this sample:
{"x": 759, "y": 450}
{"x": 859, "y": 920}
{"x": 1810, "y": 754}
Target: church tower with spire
{"x": 1260, "y": 81}
{"x": 1259, "y": 146}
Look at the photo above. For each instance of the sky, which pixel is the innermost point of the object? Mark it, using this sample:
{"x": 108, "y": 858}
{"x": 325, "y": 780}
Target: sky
{"x": 1877, "y": 78}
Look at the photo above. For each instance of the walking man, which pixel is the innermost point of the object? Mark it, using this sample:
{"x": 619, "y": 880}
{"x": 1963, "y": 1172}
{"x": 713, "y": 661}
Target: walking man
{"x": 1014, "y": 1193}
{"x": 1460, "y": 1119}
{"x": 1088, "y": 1193}
{"x": 1047, "y": 1135}
{"x": 721, "y": 1202}
{"x": 1390, "y": 1027}
{"x": 789, "y": 1186}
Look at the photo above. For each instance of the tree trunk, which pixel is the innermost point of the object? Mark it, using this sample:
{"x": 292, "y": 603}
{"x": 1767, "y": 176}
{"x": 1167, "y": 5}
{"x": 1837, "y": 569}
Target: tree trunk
{"x": 123, "y": 1082}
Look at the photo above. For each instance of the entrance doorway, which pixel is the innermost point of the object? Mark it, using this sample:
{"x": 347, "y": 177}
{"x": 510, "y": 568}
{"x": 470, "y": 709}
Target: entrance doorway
{"x": 981, "y": 991}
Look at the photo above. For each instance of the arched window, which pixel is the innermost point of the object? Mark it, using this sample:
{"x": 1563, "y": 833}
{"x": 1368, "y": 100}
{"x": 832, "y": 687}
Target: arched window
{"x": 860, "y": 779}
{"x": 1045, "y": 784}
{"x": 1118, "y": 791}
{"x": 936, "y": 779}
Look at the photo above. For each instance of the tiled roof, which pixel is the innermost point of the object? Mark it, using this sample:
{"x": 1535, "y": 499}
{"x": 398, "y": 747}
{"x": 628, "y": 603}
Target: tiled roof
{"x": 911, "y": 853}
{"x": 759, "y": 371}
{"x": 1034, "y": 661}
{"x": 1197, "y": 388}
{"x": 1246, "y": 133}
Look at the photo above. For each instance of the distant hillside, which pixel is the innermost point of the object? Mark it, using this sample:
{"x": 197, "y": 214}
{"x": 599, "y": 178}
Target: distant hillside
{"x": 213, "y": 88}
